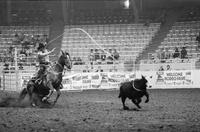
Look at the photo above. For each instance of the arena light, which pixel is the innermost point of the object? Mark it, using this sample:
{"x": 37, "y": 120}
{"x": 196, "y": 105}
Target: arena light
{"x": 126, "y": 4}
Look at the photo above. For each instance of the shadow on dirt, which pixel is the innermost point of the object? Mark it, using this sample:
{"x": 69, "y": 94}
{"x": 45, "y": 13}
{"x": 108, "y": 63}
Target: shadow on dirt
{"x": 135, "y": 110}
{"x": 10, "y": 101}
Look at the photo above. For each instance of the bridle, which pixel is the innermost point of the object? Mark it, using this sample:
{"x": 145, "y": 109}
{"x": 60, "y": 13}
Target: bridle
{"x": 63, "y": 67}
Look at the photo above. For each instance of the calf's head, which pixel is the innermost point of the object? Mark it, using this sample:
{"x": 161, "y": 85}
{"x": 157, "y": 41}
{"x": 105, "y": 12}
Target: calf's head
{"x": 142, "y": 83}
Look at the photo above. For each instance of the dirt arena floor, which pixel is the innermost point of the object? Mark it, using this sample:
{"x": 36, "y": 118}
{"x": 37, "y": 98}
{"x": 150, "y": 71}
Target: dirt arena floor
{"x": 101, "y": 111}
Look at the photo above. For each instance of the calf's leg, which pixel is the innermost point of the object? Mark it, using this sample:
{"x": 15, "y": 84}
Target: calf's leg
{"x": 147, "y": 96}
{"x": 137, "y": 102}
{"x": 123, "y": 102}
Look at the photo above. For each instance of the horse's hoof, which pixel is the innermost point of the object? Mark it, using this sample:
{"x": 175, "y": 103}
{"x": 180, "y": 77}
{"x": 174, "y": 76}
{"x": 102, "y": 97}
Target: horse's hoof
{"x": 139, "y": 107}
{"x": 126, "y": 108}
{"x": 33, "y": 105}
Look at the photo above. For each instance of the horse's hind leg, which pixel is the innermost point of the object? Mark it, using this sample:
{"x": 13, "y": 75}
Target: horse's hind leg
{"x": 32, "y": 99}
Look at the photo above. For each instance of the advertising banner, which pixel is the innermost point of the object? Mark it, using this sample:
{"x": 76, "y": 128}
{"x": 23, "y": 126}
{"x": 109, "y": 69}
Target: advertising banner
{"x": 96, "y": 79}
{"x": 174, "y": 78}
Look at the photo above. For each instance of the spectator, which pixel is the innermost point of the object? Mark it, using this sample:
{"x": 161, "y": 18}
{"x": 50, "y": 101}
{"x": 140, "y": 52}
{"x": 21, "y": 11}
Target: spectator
{"x": 91, "y": 58}
{"x": 6, "y": 68}
{"x": 162, "y": 55}
{"x": 167, "y": 54}
{"x": 158, "y": 54}
{"x": 110, "y": 57}
{"x": 23, "y": 52}
{"x": 16, "y": 40}
{"x": 115, "y": 54}
{"x": 79, "y": 60}
{"x": 21, "y": 66}
{"x": 74, "y": 61}
{"x": 176, "y": 53}
{"x": 198, "y": 40}
{"x": 96, "y": 55}
{"x": 183, "y": 53}
{"x": 103, "y": 55}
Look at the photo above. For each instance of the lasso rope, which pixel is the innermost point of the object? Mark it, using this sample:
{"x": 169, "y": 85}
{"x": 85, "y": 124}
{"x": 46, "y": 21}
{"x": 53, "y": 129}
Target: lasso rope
{"x": 80, "y": 29}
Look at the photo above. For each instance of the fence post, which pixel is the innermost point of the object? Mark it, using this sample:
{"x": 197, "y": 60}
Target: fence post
{"x": 16, "y": 70}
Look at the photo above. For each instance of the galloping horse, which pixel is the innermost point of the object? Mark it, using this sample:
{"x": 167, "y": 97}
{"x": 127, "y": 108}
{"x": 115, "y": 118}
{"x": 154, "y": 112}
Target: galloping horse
{"x": 52, "y": 80}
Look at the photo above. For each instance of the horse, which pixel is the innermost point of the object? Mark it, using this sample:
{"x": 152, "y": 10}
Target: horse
{"x": 134, "y": 90}
{"x": 51, "y": 80}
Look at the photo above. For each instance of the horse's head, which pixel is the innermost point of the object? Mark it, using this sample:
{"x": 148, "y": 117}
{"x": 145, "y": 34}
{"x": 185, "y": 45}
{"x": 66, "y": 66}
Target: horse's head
{"x": 65, "y": 60}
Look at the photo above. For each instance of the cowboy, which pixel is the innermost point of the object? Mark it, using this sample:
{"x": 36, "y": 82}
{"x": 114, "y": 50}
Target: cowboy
{"x": 43, "y": 59}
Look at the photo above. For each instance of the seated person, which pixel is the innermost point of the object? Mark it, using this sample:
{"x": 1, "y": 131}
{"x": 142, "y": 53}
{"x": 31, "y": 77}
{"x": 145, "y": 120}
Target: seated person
{"x": 176, "y": 53}
{"x": 115, "y": 54}
{"x": 183, "y": 53}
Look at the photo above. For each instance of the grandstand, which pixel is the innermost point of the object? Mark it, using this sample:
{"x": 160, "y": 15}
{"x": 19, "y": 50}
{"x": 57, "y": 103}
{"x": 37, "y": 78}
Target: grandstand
{"x": 100, "y": 28}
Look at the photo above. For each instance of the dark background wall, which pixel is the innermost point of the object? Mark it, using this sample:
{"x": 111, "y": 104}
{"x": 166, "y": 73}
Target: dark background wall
{"x": 58, "y": 11}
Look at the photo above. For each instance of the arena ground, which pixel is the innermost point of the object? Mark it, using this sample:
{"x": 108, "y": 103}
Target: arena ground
{"x": 176, "y": 110}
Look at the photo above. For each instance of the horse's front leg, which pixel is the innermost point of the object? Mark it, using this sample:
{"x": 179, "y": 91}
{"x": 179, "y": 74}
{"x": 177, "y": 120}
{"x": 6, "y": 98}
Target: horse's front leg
{"x": 50, "y": 86}
{"x": 58, "y": 95}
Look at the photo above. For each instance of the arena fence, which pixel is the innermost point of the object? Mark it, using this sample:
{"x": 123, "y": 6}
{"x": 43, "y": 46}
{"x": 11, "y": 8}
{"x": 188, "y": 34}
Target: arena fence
{"x": 73, "y": 81}
{"x": 15, "y": 78}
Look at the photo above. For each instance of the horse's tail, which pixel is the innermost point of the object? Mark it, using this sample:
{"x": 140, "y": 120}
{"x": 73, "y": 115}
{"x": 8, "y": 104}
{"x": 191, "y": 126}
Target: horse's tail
{"x": 23, "y": 94}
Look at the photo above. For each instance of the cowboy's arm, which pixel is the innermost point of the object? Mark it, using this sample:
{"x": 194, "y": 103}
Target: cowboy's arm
{"x": 46, "y": 53}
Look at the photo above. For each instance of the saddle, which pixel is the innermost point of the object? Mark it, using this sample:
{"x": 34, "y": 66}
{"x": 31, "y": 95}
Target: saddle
{"x": 40, "y": 78}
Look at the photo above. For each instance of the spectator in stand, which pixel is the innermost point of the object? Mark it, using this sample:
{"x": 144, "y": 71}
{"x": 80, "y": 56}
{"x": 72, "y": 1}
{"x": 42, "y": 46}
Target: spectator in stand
{"x": 176, "y": 53}
{"x": 6, "y": 68}
{"x": 21, "y": 66}
{"x": 110, "y": 57}
{"x": 115, "y": 54}
{"x": 16, "y": 40}
{"x": 97, "y": 56}
{"x": 91, "y": 58}
{"x": 198, "y": 40}
{"x": 75, "y": 61}
{"x": 167, "y": 53}
{"x": 79, "y": 60}
{"x": 103, "y": 55}
{"x": 183, "y": 53}
{"x": 23, "y": 51}
{"x": 162, "y": 55}
{"x": 158, "y": 54}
